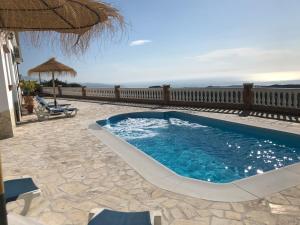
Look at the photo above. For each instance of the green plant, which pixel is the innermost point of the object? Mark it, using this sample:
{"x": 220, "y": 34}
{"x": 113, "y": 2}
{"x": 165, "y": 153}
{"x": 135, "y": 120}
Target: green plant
{"x": 29, "y": 87}
{"x": 58, "y": 82}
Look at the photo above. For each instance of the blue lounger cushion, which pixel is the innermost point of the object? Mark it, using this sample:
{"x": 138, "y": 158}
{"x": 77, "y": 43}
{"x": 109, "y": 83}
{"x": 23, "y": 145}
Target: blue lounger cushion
{"x": 109, "y": 217}
{"x": 61, "y": 110}
{"x": 14, "y": 188}
{"x": 43, "y": 102}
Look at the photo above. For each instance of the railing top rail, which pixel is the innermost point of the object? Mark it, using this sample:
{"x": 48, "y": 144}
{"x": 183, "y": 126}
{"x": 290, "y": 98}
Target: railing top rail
{"x": 274, "y": 89}
{"x": 71, "y": 87}
{"x": 92, "y": 88}
{"x": 209, "y": 88}
{"x": 141, "y": 89}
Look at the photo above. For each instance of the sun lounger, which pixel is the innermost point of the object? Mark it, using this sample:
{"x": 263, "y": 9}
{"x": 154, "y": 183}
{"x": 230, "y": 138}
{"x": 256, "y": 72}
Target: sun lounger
{"x": 23, "y": 188}
{"x": 42, "y": 101}
{"x": 44, "y": 111}
{"x": 110, "y": 217}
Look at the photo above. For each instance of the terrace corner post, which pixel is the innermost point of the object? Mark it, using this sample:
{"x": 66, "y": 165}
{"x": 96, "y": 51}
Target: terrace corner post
{"x": 117, "y": 92}
{"x": 248, "y": 96}
{"x": 3, "y": 212}
{"x": 166, "y": 94}
{"x": 83, "y": 91}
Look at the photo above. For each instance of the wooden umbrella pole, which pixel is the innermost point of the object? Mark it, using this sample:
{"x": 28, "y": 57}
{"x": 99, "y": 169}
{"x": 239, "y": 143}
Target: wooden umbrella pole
{"x": 54, "y": 94}
{"x": 3, "y": 213}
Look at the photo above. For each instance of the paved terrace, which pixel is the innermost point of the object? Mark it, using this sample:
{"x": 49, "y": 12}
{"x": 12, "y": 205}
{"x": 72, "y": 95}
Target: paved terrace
{"x": 76, "y": 173}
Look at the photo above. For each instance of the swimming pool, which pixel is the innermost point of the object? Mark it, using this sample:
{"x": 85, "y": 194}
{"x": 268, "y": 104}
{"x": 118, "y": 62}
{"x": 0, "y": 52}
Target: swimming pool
{"x": 203, "y": 148}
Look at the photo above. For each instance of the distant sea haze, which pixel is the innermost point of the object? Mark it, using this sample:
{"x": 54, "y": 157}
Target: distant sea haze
{"x": 180, "y": 83}
{"x": 190, "y": 83}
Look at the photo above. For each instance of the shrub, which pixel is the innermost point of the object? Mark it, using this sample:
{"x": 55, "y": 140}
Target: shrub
{"x": 29, "y": 87}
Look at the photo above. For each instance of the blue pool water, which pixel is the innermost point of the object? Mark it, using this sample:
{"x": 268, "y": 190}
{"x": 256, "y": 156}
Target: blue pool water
{"x": 203, "y": 148}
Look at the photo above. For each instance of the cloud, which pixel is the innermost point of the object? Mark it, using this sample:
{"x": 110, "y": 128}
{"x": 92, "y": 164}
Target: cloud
{"x": 250, "y": 60}
{"x": 139, "y": 42}
{"x": 215, "y": 67}
{"x": 275, "y": 76}
{"x": 244, "y": 54}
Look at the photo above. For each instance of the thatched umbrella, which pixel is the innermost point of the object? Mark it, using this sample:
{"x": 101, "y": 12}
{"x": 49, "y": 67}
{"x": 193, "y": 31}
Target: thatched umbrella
{"x": 71, "y": 22}
{"x": 52, "y": 67}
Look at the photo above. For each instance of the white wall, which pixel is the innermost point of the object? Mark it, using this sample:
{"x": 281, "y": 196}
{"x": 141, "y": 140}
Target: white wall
{"x": 8, "y": 76}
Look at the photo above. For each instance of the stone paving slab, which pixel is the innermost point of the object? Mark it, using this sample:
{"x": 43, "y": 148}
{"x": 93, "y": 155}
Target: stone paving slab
{"x": 76, "y": 173}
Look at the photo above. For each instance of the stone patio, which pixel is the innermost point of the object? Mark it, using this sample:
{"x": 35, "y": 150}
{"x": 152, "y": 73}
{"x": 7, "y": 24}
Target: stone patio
{"x": 76, "y": 173}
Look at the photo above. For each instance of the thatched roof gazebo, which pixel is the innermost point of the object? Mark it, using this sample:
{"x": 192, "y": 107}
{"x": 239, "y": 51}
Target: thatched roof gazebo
{"x": 52, "y": 67}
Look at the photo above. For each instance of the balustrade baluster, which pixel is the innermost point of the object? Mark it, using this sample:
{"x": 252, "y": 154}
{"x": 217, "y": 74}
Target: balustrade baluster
{"x": 290, "y": 100}
{"x": 265, "y": 98}
{"x": 201, "y": 96}
{"x": 260, "y": 98}
{"x": 196, "y": 95}
{"x": 283, "y": 99}
{"x": 181, "y": 95}
{"x": 207, "y": 96}
{"x": 269, "y": 98}
{"x": 221, "y": 96}
{"x": 216, "y": 94}
{"x": 193, "y": 95}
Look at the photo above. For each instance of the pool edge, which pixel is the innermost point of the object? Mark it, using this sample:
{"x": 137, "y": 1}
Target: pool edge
{"x": 245, "y": 189}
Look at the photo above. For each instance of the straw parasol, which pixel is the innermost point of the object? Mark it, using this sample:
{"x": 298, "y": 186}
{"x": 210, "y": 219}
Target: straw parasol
{"x": 71, "y": 22}
{"x": 52, "y": 67}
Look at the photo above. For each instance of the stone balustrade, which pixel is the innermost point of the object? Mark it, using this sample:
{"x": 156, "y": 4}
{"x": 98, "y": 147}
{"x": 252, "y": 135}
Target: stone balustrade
{"x": 154, "y": 94}
{"x": 277, "y": 97}
{"x": 100, "y": 92}
{"x": 71, "y": 91}
{"x": 49, "y": 90}
{"x": 207, "y": 95}
{"x": 248, "y": 97}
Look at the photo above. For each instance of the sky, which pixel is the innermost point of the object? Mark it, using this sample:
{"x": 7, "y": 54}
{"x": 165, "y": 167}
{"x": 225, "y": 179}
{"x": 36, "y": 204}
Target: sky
{"x": 207, "y": 40}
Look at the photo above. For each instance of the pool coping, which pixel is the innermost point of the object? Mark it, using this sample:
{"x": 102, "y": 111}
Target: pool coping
{"x": 250, "y": 188}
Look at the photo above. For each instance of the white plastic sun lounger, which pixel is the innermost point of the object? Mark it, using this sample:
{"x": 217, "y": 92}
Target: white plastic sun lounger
{"x": 44, "y": 111}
